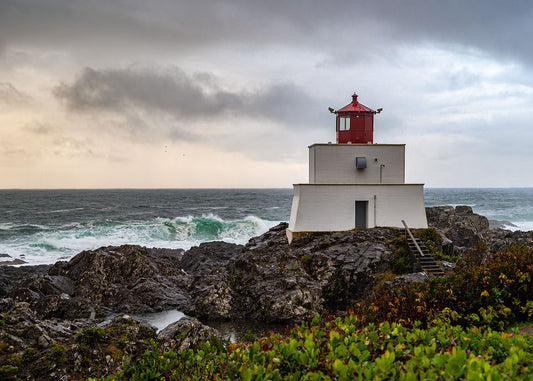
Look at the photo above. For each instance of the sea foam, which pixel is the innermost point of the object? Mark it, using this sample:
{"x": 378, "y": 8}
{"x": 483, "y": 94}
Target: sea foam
{"x": 47, "y": 244}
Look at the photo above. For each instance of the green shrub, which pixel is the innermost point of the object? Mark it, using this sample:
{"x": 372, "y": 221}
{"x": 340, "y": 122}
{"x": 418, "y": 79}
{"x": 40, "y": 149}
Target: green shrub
{"x": 92, "y": 335}
{"x": 493, "y": 294}
{"x": 402, "y": 261}
{"x": 8, "y": 372}
{"x": 340, "y": 350}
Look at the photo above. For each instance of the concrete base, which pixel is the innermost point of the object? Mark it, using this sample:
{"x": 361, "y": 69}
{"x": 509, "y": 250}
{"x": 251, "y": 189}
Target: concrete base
{"x": 292, "y": 234}
{"x": 332, "y": 207}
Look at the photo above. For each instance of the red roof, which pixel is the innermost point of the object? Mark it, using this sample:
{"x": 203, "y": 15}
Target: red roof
{"x": 355, "y": 107}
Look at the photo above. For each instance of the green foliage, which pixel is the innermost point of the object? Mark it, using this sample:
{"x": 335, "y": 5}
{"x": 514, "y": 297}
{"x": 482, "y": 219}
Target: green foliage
{"x": 8, "y": 372}
{"x": 59, "y": 352}
{"x": 204, "y": 363}
{"x": 249, "y": 337}
{"x": 306, "y": 261}
{"x": 92, "y": 335}
{"x": 340, "y": 350}
{"x": 402, "y": 261}
{"x": 431, "y": 239}
{"x": 29, "y": 355}
{"x": 493, "y": 294}
{"x": 402, "y": 264}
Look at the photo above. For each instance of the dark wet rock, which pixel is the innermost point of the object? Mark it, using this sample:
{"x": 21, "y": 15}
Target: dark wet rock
{"x": 187, "y": 333}
{"x": 447, "y": 246}
{"x": 447, "y": 266}
{"x": 172, "y": 255}
{"x": 345, "y": 264}
{"x": 208, "y": 257}
{"x": 106, "y": 280}
{"x": 67, "y": 349}
{"x": 499, "y": 239}
{"x": 468, "y": 234}
{"x": 212, "y": 296}
{"x": 8, "y": 260}
{"x": 407, "y": 278}
{"x": 273, "y": 281}
{"x": 272, "y": 286}
{"x": 460, "y": 224}
{"x": 9, "y": 276}
{"x": 12, "y": 262}
{"x": 266, "y": 280}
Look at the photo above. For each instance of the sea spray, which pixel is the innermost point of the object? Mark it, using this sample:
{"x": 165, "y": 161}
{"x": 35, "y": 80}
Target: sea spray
{"x": 47, "y": 246}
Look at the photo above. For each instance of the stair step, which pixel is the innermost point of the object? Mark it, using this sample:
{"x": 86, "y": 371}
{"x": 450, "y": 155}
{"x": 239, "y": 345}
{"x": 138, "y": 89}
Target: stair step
{"x": 427, "y": 262}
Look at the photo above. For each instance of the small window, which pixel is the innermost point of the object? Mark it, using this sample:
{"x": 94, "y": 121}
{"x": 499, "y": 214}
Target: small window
{"x": 360, "y": 162}
{"x": 344, "y": 123}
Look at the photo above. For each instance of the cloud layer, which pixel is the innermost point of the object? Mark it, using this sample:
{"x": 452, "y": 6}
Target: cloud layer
{"x": 248, "y": 83}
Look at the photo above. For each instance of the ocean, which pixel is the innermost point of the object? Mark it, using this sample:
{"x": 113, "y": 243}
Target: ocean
{"x": 44, "y": 226}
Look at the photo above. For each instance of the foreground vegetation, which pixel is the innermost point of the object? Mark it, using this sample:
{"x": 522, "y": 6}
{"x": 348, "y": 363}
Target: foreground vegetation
{"x": 339, "y": 350}
{"x": 493, "y": 294}
{"x": 446, "y": 328}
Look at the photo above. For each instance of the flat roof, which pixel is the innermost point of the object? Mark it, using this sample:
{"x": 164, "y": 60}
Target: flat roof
{"x": 357, "y": 145}
{"x": 361, "y": 184}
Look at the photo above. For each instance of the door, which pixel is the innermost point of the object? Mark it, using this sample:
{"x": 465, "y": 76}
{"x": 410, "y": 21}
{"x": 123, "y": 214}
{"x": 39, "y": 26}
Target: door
{"x": 361, "y": 208}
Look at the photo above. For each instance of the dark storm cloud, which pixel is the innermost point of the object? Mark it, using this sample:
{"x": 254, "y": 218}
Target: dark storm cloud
{"x": 496, "y": 26}
{"x": 140, "y": 26}
{"x": 183, "y": 96}
{"x": 499, "y": 27}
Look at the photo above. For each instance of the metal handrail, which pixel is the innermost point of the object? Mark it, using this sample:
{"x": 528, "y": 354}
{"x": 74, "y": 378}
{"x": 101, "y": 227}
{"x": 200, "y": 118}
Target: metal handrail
{"x": 420, "y": 253}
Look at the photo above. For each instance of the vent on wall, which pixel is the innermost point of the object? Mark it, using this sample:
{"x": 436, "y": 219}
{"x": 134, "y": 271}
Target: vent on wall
{"x": 360, "y": 162}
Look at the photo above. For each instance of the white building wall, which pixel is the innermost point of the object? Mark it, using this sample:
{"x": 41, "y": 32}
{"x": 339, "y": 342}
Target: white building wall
{"x": 335, "y": 163}
{"x": 331, "y": 207}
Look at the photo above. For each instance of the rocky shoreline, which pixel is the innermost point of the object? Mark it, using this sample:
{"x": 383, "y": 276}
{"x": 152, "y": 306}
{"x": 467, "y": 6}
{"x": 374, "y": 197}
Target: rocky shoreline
{"x": 267, "y": 280}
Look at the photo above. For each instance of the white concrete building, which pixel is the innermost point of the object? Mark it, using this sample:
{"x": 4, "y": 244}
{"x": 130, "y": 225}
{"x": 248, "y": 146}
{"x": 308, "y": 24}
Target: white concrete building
{"x": 356, "y": 184}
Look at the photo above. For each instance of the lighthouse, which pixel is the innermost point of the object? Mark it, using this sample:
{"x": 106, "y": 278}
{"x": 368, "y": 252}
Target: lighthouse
{"x": 355, "y": 183}
{"x": 355, "y": 123}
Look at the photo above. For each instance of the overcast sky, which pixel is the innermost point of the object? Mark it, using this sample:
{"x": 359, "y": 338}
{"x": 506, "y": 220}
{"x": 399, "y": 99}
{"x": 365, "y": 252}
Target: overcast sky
{"x": 149, "y": 94}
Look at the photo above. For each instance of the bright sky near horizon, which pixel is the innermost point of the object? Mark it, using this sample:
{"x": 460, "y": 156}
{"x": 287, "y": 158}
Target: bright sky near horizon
{"x": 157, "y": 94}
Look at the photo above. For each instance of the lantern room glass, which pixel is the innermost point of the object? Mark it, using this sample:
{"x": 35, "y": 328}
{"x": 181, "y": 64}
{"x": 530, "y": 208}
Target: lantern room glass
{"x": 344, "y": 123}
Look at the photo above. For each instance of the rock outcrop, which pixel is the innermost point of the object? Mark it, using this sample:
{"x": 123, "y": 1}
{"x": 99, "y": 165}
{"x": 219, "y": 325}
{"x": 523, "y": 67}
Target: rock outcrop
{"x": 460, "y": 224}
{"x": 186, "y": 333}
{"x": 266, "y": 280}
{"x": 7, "y": 260}
{"x": 273, "y": 281}
{"x": 107, "y": 280}
{"x": 462, "y": 229}
{"x": 10, "y": 276}
{"x": 67, "y": 313}
{"x": 498, "y": 239}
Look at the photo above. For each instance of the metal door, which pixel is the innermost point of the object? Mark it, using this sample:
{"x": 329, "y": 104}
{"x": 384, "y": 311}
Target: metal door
{"x": 361, "y": 211}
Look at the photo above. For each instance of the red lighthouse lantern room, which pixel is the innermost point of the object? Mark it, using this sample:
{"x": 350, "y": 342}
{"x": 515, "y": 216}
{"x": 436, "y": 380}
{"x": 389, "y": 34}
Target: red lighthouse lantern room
{"x": 355, "y": 123}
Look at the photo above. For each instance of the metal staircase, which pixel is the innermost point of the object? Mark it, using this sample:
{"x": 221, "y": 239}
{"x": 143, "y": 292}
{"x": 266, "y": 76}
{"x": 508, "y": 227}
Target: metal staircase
{"x": 423, "y": 260}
